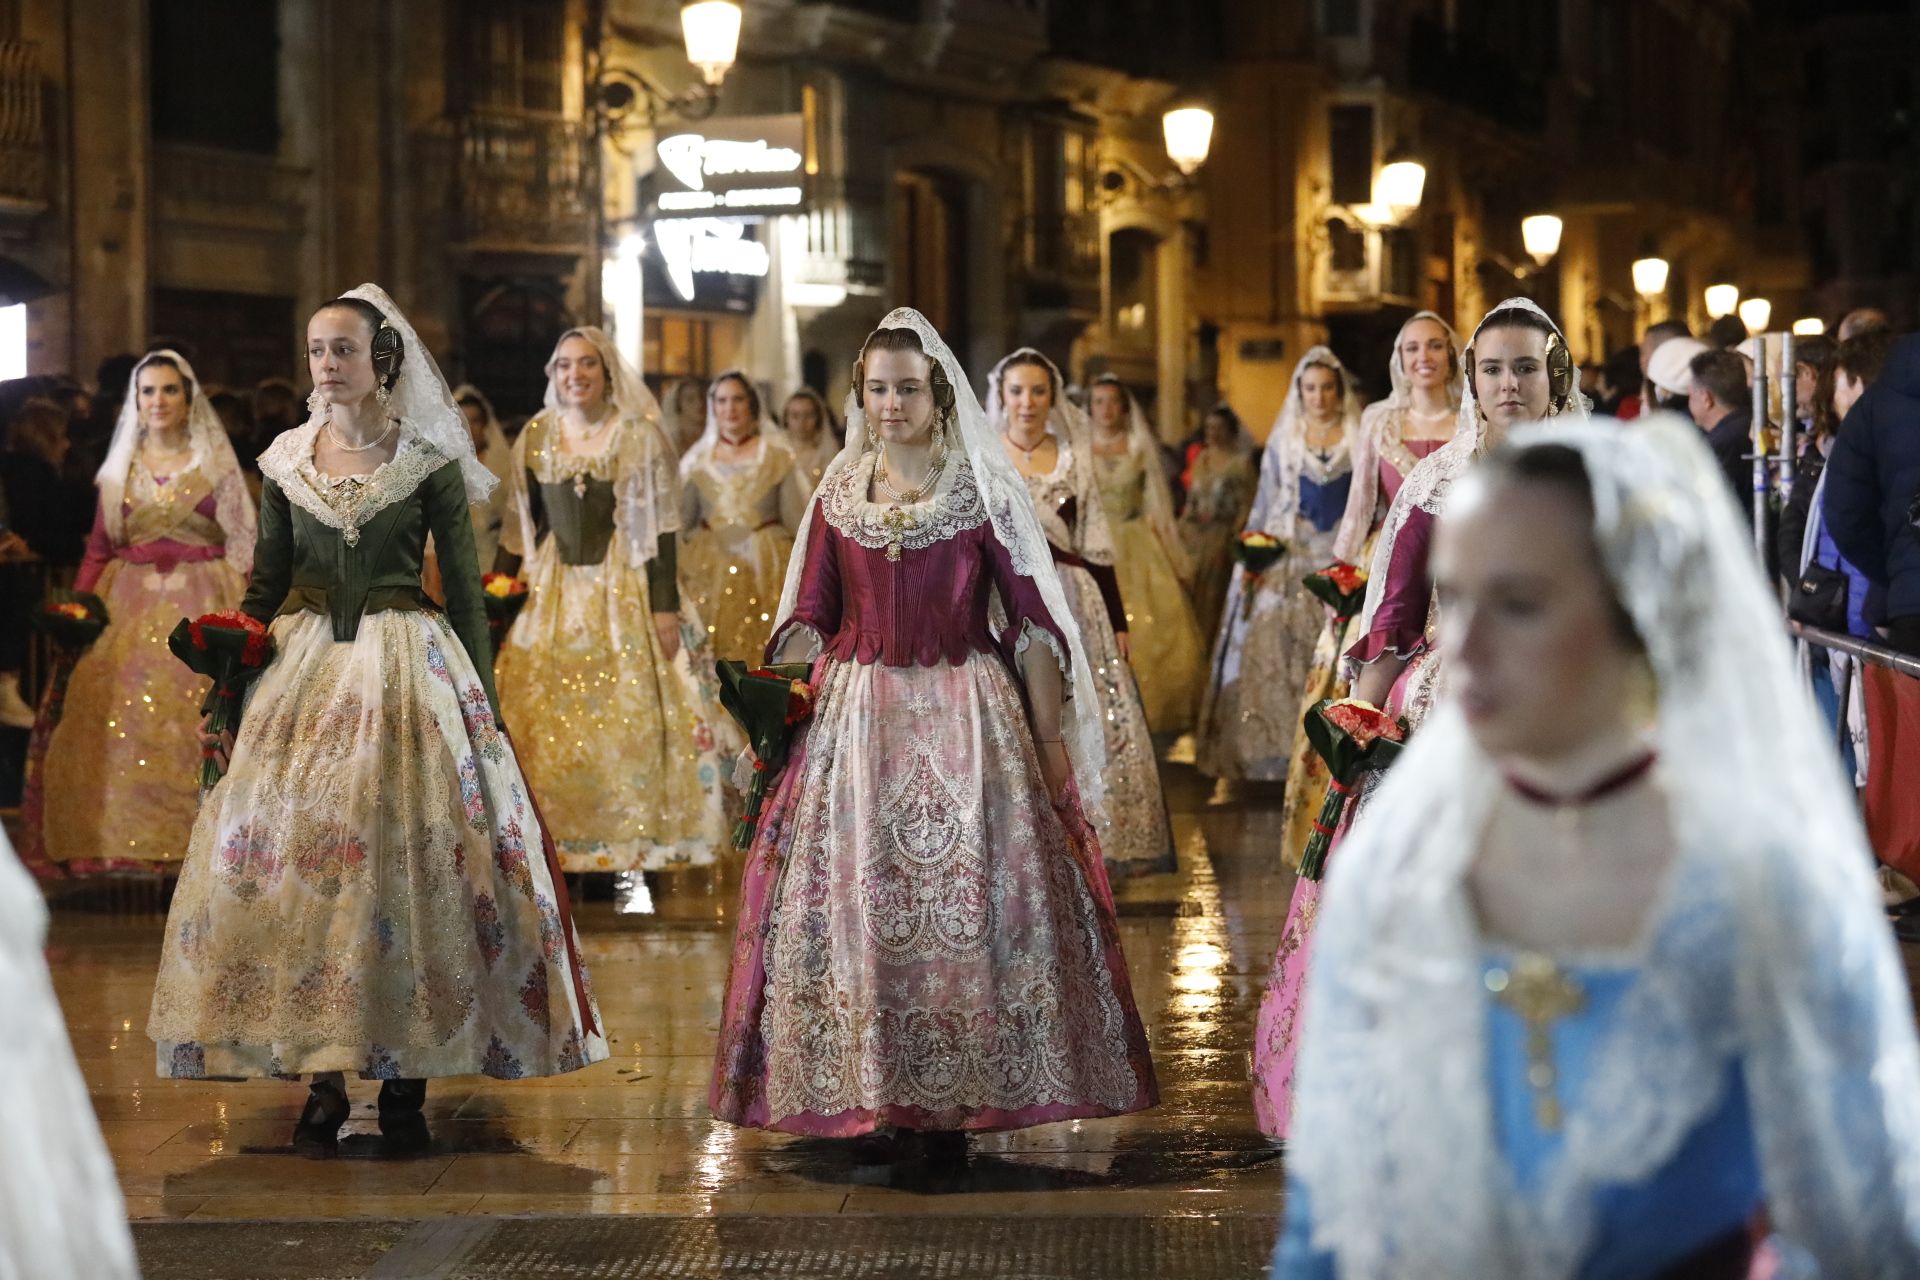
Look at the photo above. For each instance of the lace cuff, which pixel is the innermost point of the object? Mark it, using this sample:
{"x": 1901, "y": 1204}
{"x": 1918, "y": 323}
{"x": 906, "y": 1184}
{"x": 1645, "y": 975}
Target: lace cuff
{"x": 1031, "y": 631}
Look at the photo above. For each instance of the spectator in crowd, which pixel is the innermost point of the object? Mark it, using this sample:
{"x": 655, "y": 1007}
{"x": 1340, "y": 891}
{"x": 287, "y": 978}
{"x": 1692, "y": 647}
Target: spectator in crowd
{"x": 1623, "y": 378}
{"x": 1727, "y": 331}
{"x": 276, "y": 408}
{"x": 1812, "y": 403}
{"x": 1657, "y": 336}
{"x": 1670, "y": 374}
{"x": 1873, "y": 476}
{"x": 1863, "y": 320}
{"x": 1721, "y": 404}
{"x": 91, "y": 434}
{"x": 47, "y": 518}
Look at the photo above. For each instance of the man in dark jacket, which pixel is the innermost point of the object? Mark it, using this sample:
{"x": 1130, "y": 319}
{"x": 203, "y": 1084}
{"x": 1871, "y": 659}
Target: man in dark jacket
{"x": 1873, "y": 475}
{"x": 1721, "y": 403}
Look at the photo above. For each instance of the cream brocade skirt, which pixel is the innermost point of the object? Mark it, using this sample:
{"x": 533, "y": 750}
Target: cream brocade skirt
{"x": 735, "y": 578}
{"x": 366, "y": 890}
{"x": 1169, "y": 657}
{"x": 120, "y": 773}
{"x": 618, "y": 743}
{"x": 1136, "y": 837}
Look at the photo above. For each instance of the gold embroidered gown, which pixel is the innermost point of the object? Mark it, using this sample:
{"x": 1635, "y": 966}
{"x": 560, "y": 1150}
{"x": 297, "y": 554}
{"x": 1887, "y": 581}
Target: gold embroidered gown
{"x": 739, "y": 519}
{"x": 367, "y": 889}
{"x": 1169, "y": 659}
{"x": 617, "y": 741}
{"x": 118, "y": 786}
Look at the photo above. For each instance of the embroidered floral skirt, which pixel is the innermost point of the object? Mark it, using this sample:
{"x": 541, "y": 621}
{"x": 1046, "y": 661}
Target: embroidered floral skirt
{"x": 1137, "y": 835}
{"x": 618, "y": 742}
{"x": 1169, "y": 657}
{"x": 366, "y": 889}
{"x": 1250, "y": 718}
{"x": 114, "y": 785}
{"x": 924, "y": 940}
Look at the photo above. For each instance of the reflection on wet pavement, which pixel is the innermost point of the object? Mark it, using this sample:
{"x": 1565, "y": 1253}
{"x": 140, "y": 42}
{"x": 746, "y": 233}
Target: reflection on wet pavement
{"x": 632, "y": 1135}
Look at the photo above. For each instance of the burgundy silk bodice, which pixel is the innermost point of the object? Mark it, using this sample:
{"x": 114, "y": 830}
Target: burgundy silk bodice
{"x": 929, "y": 605}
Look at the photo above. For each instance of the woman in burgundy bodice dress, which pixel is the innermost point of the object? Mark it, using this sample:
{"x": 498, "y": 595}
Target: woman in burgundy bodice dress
{"x": 926, "y": 938}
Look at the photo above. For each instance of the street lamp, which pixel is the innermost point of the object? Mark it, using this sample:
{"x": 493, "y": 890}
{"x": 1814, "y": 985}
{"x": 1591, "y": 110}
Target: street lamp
{"x": 1808, "y": 326}
{"x": 1650, "y": 275}
{"x": 1722, "y": 300}
{"x": 1540, "y": 235}
{"x": 711, "y": 29}
{"x": 1189, "y": 135}
{"x": 1755, "y": 313}
{"x": 1398, "y": 186}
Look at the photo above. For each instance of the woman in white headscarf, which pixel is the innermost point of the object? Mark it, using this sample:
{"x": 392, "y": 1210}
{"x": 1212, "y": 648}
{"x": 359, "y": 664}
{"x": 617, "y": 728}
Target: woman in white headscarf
{"x": 1603, "y": 986}
{"x": 616, "y": 726}
{"x": 61, "y": 1213}
{"x": 1251, "y": 714}
{"x": 496, "y": 455}
{"x": 1169, "y": 657}
{"x": 370, "y": 888}
{"x": 173, "y": 536}
{"x": 1518, "y": 371}
{"x": 811, "y": 433}
{"x": 1050, "y": 443}
{"x": 926, "y": 939}
{"x": 741, "y": 499}
{"x": 1417, "y": 417}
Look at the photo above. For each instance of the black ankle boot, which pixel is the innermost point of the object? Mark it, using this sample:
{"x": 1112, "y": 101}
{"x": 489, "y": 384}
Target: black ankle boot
{"x": 402, "y": 1127}
{"x": 317, "y": 1135}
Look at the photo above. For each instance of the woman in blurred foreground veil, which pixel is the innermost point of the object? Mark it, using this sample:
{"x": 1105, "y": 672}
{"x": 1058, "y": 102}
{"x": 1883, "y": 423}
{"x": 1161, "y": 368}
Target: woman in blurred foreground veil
{"x": 1602, "y": 978}
{"x": 60, "y": 1208}
{"x": 926, "y": 939}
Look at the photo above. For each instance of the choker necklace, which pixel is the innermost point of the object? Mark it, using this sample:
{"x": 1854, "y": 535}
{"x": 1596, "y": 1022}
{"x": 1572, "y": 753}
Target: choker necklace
{"x": 374, "y": 443}
{"x": 1615, "y": 782}
{"x": 1025, "y": 453}
{"x": 736, "y": 442}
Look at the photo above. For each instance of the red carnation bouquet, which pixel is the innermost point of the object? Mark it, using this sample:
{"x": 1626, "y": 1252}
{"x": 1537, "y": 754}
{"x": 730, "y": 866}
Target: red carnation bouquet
{"x": 505, "y": 596}
{"x": 231, "y": 649}
{"x": 1352, "y": 737}
{"x": 1342, "y": 587}
{"x": 770, "y": 703}
{"x": 71, "y": 619}
{"x": 1256, "y": 552}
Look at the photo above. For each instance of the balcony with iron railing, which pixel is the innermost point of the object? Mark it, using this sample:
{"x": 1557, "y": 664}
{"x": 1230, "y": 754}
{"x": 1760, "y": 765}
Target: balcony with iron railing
{"x": 23, "y": 129}
{"x": 524, "y": 183}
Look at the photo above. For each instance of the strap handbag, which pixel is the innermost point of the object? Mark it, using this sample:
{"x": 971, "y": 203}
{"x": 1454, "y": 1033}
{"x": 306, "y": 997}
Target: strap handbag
{"x": 1819, "y": 598}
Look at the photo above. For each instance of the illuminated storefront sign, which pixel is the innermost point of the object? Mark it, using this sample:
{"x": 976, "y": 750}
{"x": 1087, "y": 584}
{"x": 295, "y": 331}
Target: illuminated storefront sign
{"x": 743, "y": 164}
{"x": 691, "y": 247}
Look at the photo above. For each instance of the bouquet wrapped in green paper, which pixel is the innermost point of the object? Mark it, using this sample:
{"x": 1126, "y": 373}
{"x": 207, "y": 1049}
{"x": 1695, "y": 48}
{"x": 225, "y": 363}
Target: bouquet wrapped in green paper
{"x": 71, "y": 619}
{"x": 771, "y": 703}
{"x": 1341, "y": 587}
{"x": 232, "y": 649}
{"x": 1352, "y": 737}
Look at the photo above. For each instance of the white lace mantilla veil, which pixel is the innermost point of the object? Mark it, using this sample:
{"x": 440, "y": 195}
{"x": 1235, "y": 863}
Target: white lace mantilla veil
{"x": 212, "y": 454}
{"x": 1161, "y": 517}
{"x": 1015, "y": 524}
{"x": 1357, "y": 522}
{"x": 1426, "y": 486}
{"x": 1067, "y": 421}
{"x": 1287, "y": 442}
{"x": 1773, "y": 885}
{"x": 700, "y": 453}
{"x": 497, "y": 457}
{"x": 645, "y": 502}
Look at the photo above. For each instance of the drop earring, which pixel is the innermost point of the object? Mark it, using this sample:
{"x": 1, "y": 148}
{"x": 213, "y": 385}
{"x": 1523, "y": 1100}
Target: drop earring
{"x": 384, "y": 396}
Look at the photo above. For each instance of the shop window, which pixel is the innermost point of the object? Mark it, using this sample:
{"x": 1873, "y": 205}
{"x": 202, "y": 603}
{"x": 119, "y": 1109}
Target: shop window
{"x": 1350, "y": 152}
{"x": 13, "y": 341}
{"x": 233, "y": 339}
{"x": 678, "y": 346}
{"x": 1133, "y": 279}
{"x": 511, "y": 328}
{"x": 216, "y": 73}
{"x": 929, "y": 247}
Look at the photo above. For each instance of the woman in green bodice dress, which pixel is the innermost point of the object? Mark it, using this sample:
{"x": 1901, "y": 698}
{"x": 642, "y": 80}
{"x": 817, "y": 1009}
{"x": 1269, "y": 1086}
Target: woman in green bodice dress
{"x": 617, "y": 725}
{"x": 1169, "y": 660}
{"x": 370, "y": 888}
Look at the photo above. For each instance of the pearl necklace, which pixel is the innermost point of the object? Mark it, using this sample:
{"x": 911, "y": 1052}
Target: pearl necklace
{"x": 374, "y": 443}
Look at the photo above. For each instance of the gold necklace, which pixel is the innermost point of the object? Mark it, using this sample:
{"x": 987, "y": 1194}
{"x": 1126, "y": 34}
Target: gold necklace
{"x": 896, "y": 520}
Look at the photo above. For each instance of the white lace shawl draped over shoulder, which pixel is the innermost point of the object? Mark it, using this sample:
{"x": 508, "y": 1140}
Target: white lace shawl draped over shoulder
{"x": 213, "y": 457}
{"x": 1382, "y": 425}
{"x": 1144, "y": 441}
{"x": 1771, "y": 949}
{"x": 1069, "y": 425}
{"x": 1426, "y": 486}
{"x": 636, "y": 459}
{"x": 1015, "y": 525}
{"x": 1277, "y": 503}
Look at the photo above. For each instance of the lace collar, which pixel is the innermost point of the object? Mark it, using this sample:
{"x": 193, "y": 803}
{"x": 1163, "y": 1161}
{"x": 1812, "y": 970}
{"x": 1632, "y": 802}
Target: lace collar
{"x": 288, "y": 462}
{"x": 954, "y": 507}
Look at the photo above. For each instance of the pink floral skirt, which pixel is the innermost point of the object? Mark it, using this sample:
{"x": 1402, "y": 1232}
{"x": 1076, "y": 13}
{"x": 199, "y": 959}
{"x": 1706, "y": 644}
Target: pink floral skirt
{"x": 924, "y": 941}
